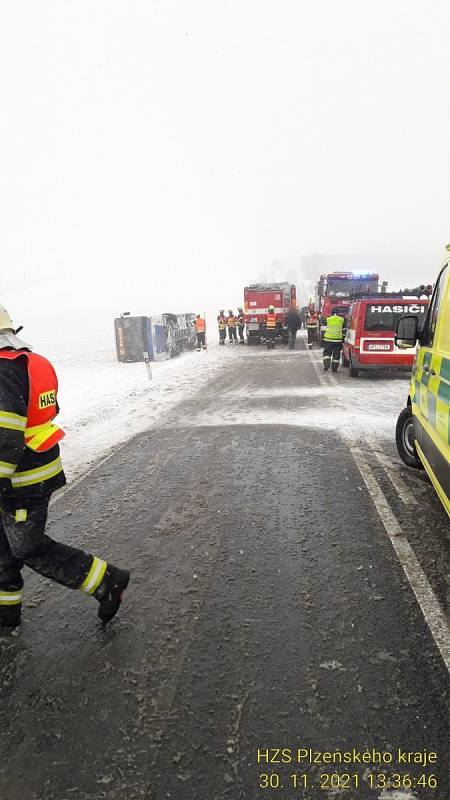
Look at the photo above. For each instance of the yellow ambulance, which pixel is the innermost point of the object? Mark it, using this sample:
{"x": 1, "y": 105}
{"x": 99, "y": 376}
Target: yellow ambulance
{"x": 423, "y": 427}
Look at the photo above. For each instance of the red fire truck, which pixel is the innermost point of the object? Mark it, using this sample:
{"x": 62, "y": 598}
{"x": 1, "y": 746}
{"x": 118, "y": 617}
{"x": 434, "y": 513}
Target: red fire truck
{"x": 371, "y": 324}
{"x": 257, "y": 299}
{"x": 334, "y": 290}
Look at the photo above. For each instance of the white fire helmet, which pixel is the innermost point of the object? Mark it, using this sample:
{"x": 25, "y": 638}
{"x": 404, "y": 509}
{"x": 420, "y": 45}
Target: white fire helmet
{"x": 8, "y": 331}
{"x": 6, "y": 323}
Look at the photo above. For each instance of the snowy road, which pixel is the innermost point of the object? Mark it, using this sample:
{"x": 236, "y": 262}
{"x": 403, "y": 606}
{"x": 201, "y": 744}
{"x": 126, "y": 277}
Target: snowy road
{"x": 269, "y": 608}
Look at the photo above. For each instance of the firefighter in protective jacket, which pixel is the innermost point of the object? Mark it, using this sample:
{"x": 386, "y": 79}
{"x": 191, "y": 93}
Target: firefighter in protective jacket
{"x": 231, "y": 323}
{"x": 222, "y": 325}
{"x": 200, "y": 330}
{"x": 30, "y": 471}
{"x": 271, "y": 328}
{"x": 332, "y": 342}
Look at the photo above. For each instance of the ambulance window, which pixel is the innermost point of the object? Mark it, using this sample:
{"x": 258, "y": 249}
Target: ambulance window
{"x": 434, "y": 308}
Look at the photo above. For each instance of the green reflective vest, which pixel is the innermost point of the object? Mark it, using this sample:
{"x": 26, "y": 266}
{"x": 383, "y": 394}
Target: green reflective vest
{"x": 333, "y": 332}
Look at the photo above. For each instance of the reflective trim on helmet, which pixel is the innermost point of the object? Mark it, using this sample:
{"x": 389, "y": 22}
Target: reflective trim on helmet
{"x": 11, "y": 598}
{"x": 6, "y": 469}
{"x": 94, "y": 577}
{"x": 38, "y": 475}
{"x": 14, "y": 422}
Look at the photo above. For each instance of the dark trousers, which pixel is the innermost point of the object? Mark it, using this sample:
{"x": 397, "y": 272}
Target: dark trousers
{"x": 201, "y": 341}
{"x": 25, "y": 542}
{"x": 241, "y": 329}
{"x": 292, "y": 337}
{"x": 331, "y": 354}
{"x": 232, "y": 335}
{"x": 270, "y": 336}
{"x": 312, "y": 335}
{"x": 222, "y": 335}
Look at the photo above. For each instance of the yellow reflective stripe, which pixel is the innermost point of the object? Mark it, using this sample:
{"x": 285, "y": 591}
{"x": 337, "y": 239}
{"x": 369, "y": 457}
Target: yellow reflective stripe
{"x": 43, "y": 473}
{"x": 442, "y": 418}
{"x": 36, "y": 428}
{"x": 11, "y": 598}
{"x": 13, "y": 422}
{"x": 6, "y": 469}
{"x": 94, "y": 577}
{"x": 21, "y": 515}
{"x": 39, "y": 434}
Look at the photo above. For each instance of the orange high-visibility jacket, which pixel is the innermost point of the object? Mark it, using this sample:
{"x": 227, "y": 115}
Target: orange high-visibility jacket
{"x": 200, "y": 325}
{"x": 231, "y": 321}
{"x": 271, "y": 321}
{"x": 312, "y": 319}
{"x": 40, "y": 432}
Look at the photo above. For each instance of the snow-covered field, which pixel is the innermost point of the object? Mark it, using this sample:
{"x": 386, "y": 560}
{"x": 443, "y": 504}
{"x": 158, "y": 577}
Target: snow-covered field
{"x": 104, "y": 403}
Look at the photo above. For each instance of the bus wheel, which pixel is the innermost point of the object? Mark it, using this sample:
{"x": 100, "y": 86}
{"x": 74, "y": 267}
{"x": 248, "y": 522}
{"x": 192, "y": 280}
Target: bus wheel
{"x": 404, "y": 437}
{"x": 352, "y": 371}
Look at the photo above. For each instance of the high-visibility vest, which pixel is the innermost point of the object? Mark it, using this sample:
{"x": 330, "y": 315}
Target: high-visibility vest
{"x": 311, "y": 320}
{"x": 271, "y": 321}
{"x": 333, "y": 332}
{"x": 40, "y": 432}
{"x": 231, "y": 321}
{"x": 200, "y": 325}
{"x": 222, "y": 322}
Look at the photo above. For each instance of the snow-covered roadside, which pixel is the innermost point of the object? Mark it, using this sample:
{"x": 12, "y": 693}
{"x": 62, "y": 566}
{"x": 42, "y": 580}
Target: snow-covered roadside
{"x": 104, "y": 403}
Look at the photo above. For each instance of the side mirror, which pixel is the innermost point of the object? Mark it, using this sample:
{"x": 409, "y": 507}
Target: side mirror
{"x": 407, "y": 332}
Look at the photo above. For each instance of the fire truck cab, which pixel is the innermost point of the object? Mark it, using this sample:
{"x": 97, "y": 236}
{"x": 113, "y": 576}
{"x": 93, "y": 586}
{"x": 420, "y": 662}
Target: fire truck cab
{"x": 371, "y": 325}
{"x": 257, "y": 299}
{"x": 334, "y": 291}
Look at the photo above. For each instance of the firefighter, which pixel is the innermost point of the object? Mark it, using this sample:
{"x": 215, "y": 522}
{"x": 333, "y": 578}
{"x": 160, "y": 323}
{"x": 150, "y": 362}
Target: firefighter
{"x": 232, "y": 322}
{"x": 241, "y": 325}
{"x": 30, "y": 471}
{"x": 222, "y": 323}
{"x": 312, "y": 321}
{"x": 200, "y": 330}
{"x": 271, "y": 326}
{"x": 332, "y": 341}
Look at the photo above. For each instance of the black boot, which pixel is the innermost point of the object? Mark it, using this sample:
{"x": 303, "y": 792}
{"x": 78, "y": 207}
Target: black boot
{"x": 10, "y": 617}
{"x": 10, "y": 614}
{"x": 109, "y": 593}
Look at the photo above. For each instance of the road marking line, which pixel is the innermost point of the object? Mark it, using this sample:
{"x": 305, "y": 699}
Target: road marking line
{"x": 398, "y": 483}
{"x": 427, "y": 600}
{"x": 396, "y": 480}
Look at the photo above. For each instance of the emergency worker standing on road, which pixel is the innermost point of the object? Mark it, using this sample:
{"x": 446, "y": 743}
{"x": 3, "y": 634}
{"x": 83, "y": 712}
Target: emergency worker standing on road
{"x": 293, "y": 323}
{"x": 332, "y": 341}
{"x": 30, "y": 471}
{"x": 232, "y": 322}
{"x": 312, "y": 321}
{"x": 200, "y": 329}
{"x": 271, "y": 328}
{"x": 222, "y": 324}
{"x": 241, "y": 325}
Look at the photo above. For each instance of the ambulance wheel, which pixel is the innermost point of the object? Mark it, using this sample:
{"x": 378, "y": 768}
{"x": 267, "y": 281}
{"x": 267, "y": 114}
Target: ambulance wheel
{"x": 344, "y": 360}
{"x": 352, "y": 371}
{"x": 404, "y": 437}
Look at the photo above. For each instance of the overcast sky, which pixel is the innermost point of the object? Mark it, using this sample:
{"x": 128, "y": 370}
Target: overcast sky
{"x": 190, "y": 147}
